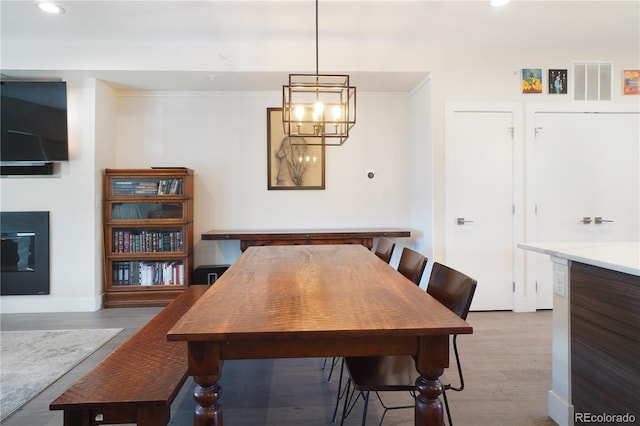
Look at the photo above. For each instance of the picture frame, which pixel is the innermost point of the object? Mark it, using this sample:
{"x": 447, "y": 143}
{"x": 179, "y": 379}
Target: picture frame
{"x": 531, "y": 81}
{"x": 631, "y": 82}
{"x": 292, "y": 162}
{"x": 557, "y": 82}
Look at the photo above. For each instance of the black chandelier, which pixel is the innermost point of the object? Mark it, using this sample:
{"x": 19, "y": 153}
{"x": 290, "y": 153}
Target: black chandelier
{"x": 319, "y": 107}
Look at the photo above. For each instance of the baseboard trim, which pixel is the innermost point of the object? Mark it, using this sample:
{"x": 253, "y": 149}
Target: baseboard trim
{"x": 47, "y": 304}
{"x": 560, "y": 410}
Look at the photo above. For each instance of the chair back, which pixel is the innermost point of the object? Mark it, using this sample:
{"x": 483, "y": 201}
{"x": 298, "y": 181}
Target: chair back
{"x": 453, "y": 289}
{"x": 384, "y": 248}
{"x": 412, "y": 265}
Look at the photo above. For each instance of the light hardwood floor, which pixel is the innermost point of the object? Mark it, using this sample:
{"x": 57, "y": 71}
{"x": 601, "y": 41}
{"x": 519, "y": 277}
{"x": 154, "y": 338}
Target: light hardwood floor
{"x": 507, "y": 368}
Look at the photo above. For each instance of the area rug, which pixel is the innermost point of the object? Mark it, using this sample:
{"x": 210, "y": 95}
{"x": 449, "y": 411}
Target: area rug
{"x": 31, "y": 360}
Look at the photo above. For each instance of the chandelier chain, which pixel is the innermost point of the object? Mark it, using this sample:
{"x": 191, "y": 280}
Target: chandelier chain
{"x": 317, "y": 56}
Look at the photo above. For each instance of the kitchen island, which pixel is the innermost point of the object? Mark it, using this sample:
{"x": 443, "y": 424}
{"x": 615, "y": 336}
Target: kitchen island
{"x": 596, "y": 332}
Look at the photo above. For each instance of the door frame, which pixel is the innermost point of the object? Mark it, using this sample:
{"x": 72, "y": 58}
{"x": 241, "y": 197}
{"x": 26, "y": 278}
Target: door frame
{"x": 521, "y": 293}
{"x": 530, "y": 166}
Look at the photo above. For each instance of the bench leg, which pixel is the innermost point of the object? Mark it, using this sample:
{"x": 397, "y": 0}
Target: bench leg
{"x": 77, "y": 418}
{"x": 154, "y": 416}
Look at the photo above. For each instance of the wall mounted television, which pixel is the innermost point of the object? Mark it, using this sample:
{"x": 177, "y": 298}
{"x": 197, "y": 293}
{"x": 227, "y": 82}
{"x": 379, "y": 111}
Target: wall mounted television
{"x": 33, "y": 123}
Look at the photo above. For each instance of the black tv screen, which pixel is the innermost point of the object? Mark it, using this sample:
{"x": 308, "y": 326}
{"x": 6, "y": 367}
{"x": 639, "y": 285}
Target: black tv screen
{"x": 33, "y": 121}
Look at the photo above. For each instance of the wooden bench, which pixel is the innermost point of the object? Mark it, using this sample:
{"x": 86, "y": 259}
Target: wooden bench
{"x": 138, "y": 382}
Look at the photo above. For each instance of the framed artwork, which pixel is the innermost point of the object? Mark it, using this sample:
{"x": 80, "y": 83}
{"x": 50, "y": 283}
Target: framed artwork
{"x": 631, "y": 82}
{"x": 557, "y": 82}
{"x": 531, "y": 80}
{"x": 291, "y": 162}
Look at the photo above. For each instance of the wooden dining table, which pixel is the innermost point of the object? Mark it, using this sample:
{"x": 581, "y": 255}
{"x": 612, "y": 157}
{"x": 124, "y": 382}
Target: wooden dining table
{"x": 315, "y": 301}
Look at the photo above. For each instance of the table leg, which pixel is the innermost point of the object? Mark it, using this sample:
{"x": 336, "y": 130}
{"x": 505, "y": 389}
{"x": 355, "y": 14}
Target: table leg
{"x": 206, "y": 394}
{"x": 428, "y": 404}
{"x": 432, "y": 358}
{"x": 206, "y": 368}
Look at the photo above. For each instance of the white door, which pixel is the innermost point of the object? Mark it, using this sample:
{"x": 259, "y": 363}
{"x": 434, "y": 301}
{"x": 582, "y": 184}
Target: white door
{"x": 587, "y": 183}
{"x": 479, "y": 203}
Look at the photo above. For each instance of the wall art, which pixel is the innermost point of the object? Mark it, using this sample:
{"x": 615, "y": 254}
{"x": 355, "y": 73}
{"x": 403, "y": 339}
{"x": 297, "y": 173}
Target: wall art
{"x": 631, "y": 82}
{"x": 557, "y": 82}
{"x": 292, "y": 163}
{"x": 531, "y": 80}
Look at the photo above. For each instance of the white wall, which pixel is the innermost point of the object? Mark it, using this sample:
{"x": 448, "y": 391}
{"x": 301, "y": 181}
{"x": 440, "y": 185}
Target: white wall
{"x": 493, "y": 75}
{"x": 105, "y": 137}
{"x": 69, "y": 196}
{"x": 420, "y": 168}
{"x": 222, "y": 136}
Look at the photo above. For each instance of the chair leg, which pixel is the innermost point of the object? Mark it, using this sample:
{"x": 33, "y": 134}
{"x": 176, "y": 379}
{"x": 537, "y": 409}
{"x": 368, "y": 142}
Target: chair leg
{"x": 446, "y": 406}
{"x": 366, "y": 406}
{"x": 346, "y": 402}
{"x": 397, "y": 407}
{"x": 341, "y": 392}
{"x": 334, "y": 362}
{"x": 350, "y": 399}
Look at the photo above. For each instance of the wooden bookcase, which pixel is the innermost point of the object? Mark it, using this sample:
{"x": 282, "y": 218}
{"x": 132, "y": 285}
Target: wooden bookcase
{"x": 148, "y": 235}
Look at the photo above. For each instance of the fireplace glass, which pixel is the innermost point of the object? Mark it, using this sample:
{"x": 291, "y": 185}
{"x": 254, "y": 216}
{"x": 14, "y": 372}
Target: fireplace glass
{"x": 18, "y": 251}
{"x": 25, "y": 253}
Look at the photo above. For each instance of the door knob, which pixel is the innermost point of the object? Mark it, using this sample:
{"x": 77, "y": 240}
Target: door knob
{"x": 461, "y": 221}
{"x": 598, "y": 220}
{"x": 586, "y": 220}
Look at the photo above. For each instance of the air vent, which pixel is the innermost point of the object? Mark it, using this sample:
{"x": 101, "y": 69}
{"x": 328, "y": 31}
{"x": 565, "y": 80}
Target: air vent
{"x": 592, "y": 81}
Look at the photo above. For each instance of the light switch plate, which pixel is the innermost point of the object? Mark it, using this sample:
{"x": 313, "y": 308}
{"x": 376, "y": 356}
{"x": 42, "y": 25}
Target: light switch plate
{"x": 560, "y": 283}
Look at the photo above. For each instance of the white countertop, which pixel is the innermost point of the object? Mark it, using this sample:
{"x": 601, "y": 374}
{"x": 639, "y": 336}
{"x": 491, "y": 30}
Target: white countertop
{"x": 621, "y": 257}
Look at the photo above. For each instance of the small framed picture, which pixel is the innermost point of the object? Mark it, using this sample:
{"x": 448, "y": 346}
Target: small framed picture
{"x": 631, "y": 82}
{"x": 557, "y": 82}
{"x": 292, "y": 162}
{"x": 531, "y": 80}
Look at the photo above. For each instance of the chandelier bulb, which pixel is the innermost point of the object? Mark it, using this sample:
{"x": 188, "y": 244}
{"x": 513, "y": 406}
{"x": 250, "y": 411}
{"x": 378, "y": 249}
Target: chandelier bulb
{"x": 336, "y": 113}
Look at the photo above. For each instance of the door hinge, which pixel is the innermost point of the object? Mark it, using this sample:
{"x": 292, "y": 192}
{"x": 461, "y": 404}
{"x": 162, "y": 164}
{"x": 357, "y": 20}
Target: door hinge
{"x": 513, "y": 209}
{"x": 535, "y": 209}
{"x": 511, "y": 131}
{"x": 536, "y": 286}
{"x": 514, "y": 286}
{"x": 537, "y": 131}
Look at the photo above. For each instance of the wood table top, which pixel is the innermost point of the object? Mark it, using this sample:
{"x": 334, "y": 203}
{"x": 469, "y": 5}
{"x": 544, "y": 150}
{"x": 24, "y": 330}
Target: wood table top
{"x": 333, "y": 291}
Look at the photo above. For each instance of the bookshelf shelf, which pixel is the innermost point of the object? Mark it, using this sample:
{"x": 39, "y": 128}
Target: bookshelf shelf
{"x": 148, "y": 239}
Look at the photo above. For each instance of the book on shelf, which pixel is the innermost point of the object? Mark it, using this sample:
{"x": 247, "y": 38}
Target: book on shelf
{"x": 170, "y": 187}
{"x": 147, "y": 241}
{"x": 147, "y": 187}
{"x": 144, "y": 273}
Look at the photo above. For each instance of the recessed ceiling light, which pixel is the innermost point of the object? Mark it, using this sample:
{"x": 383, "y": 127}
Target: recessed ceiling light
{"x": 499, "y": 2}
{"x": 50, "y": 7}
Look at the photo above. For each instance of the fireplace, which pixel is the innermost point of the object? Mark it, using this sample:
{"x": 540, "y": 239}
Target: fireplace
{"x": 25, "y": 253}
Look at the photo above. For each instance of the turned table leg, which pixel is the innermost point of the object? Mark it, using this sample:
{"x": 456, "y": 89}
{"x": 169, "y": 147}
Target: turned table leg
{"x": 431, "y": 360}
{"x": 428, "y": 404}
{"x": 206, "y": 368}
{"x": 207, "y": 392}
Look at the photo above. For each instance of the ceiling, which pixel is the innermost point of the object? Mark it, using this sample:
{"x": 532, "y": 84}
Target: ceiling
{"x": 231, "y": 45}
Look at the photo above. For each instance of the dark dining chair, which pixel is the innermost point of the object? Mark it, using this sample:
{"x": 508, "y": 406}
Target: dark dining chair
{"x": 378, "y": 374}
{"x": 412, "y": 265}
{"x": 384, "y": 248}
